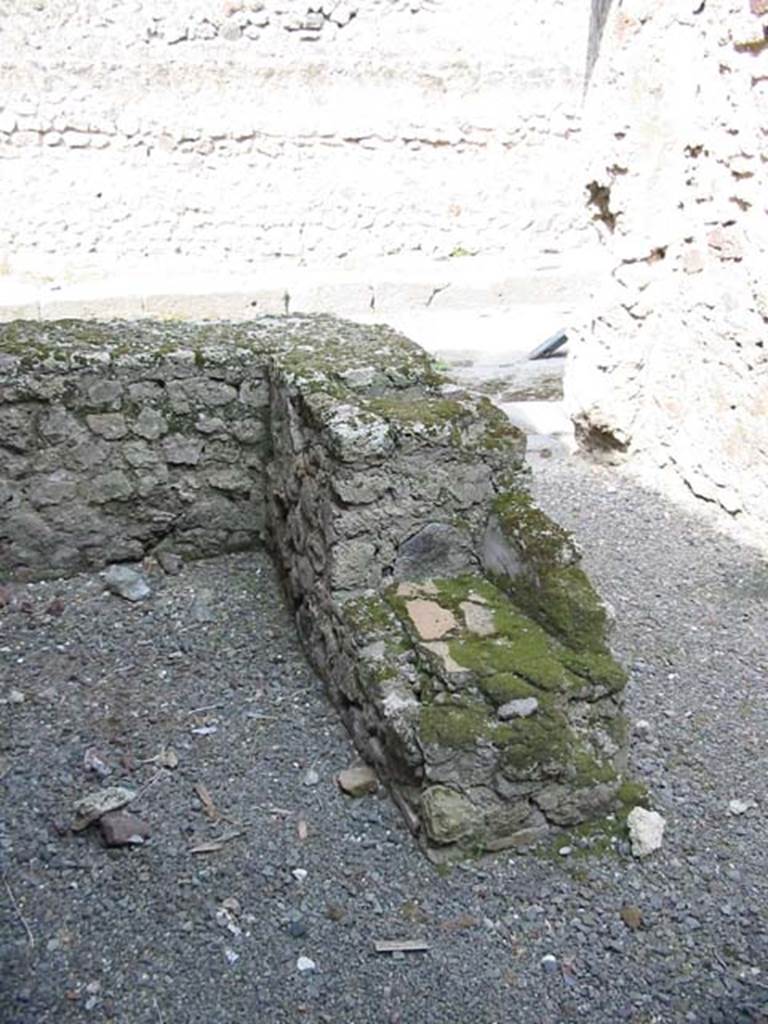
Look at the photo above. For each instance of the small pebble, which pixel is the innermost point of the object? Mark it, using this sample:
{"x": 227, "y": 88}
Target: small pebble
{"x": 523, "y": 708}
{"x": 737, "y": 807}
{"x": 549, "y": 963}
{"x": 304, "y": 964}
{"x": 311, "y": 778}
{"x": 170, "y": 562}
{"x": 632, "y": 917}
{"x": 126, "y": 583}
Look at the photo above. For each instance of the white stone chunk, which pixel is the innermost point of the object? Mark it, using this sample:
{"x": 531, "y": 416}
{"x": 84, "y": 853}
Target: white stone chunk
{"x": 646, "y": 831}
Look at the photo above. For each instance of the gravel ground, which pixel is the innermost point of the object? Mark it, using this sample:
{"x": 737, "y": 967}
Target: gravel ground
{"x": 159, "y": 934}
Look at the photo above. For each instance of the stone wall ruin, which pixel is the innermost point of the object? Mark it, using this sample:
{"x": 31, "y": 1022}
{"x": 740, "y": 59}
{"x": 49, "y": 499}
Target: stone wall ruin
{"x": 461, "y": 643}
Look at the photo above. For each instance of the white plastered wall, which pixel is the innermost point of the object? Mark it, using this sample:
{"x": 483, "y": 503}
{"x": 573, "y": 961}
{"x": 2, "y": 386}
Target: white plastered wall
{"x": 164, "y": 143}
{"x": 670, "y": 373}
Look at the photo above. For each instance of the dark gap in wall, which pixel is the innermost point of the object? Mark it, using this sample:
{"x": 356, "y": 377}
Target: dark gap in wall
{"x": 597, "y": 439}
{"x": 600, "y": 197}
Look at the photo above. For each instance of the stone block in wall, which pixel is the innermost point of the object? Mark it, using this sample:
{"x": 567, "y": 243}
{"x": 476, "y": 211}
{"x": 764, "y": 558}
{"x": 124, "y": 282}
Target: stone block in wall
{"x": 459, "y": 639}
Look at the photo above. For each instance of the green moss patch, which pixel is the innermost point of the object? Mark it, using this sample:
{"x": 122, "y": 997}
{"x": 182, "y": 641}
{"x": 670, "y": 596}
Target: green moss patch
{"x": 369, "y": 616}
{"x": 522, "y": 646}
{"x": 498, "y": 433}
{"x": 506, "y": 686}
{"x": 596, "y": 838}
{"x": 428, "y": 411}
{"x": 589, "y": 770}
{"x": 523, "y": 656}
{"x": 550, "y": 586}
{"x": 596, "y": 667}
{"x": 543, "y": 543}
{"x": 564, "y": 601}
{"x": 632, "y": 794}
{"x": 539, "y": 746}
{"x": 457, "y": 726}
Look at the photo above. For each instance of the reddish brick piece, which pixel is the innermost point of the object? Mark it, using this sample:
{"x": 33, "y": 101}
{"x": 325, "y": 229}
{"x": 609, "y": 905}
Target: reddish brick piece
{"x": 120, "y": 828}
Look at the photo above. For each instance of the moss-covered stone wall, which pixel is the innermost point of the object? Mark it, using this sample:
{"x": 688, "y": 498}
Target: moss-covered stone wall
{"x": 459, "y": 639}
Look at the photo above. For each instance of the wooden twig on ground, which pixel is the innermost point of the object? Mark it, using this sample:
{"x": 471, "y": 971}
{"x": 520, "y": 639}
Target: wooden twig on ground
{"x": 17, "y": 908}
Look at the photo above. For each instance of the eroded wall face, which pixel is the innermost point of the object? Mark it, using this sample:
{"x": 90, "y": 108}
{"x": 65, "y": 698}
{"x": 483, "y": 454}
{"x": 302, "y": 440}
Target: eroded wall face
{"x": 671, "y": 372}
{"x": 238, "y": 132}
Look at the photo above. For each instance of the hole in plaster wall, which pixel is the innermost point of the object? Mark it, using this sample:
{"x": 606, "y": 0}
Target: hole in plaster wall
{"x": 598, "y": 439}
{"x": 600, "y": 198}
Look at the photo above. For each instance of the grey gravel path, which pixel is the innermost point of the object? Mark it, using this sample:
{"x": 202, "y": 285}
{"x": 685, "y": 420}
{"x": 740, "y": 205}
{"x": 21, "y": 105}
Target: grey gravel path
{"x": 160, "y": 935}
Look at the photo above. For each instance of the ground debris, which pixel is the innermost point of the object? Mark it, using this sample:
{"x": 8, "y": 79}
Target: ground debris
{"x": 121, "y": 828}
{"x": 93, "y": 762}
{"x": 167, "y": 758}
{"x": 126, "y": 583}
{"x": 632, "y": 916}
{"x": 360, "y": 780}
{"x": 646, "y": 831}
{"x": 401, "y": 946}
{"x": 209, "y": 807}
{"x": 217, "y": 843}
{"x": 93, "y": 806}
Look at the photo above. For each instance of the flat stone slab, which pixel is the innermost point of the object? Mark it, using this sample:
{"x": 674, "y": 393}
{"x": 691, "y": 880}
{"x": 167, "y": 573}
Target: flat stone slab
{"x": 430, "y": 620}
